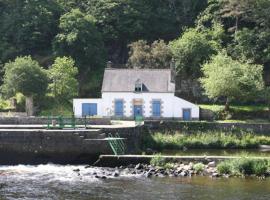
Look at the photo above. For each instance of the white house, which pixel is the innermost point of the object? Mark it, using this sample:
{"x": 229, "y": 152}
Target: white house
{"x": 127, "y": 93}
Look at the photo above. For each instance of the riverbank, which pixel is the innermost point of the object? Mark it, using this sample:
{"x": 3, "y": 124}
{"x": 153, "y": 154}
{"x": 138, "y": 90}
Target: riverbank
{"x": 203, "y": 140}
{"x": 180, "y": 166}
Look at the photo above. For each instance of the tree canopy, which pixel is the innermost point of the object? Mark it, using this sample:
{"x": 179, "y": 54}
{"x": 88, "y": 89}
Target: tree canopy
{"x": 231, "y": 79}
{"x": 62, "y": 74}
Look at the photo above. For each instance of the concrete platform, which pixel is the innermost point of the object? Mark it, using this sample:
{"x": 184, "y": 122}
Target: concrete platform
{"x": 124, "y": 160}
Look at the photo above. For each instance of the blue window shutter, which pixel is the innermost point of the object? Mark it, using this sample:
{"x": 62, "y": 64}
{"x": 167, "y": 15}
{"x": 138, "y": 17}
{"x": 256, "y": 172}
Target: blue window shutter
{"x": 89, "y": 109}
{"x": 119, "y": 110}
{"x": 156, "y": 108}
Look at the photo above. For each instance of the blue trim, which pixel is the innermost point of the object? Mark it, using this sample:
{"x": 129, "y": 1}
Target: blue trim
{"x": 156, "y": 108}
{"x": 119, "y": 108}
{"x": 186, "y": 114}
{"x": 89, "y": 109}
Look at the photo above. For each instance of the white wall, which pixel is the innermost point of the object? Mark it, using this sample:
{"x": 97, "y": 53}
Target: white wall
{"x": 77, "y": 106}
{"x": 171, "y": 106}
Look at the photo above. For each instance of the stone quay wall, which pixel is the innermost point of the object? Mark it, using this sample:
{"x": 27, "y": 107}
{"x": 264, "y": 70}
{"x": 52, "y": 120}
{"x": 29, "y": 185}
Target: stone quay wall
{"x": 44, "y": 120}
{"x": 258, "y": 128}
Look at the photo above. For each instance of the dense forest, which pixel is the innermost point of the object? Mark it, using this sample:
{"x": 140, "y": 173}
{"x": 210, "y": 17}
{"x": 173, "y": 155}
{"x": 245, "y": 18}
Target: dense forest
{"x": 194, "y": 35}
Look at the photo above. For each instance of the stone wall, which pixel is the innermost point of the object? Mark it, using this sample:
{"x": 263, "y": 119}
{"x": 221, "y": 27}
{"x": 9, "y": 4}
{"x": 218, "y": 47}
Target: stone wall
{"x": 59, "y": 146}
{"x": 44, "y": 120}
{"x": 263, "y": 128}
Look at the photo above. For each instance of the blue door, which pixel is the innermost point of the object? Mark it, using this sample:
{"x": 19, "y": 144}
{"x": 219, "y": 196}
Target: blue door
{"x": 156, "y": 108}
{"x": 137, "y": 110}
{"x": 186, "y": 114}
{"x": 89, "y": 109}
{"x": 119, "y": 108}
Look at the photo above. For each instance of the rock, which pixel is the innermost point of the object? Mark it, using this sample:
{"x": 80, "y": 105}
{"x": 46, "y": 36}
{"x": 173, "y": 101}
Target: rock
{"x": 148, "y": 174}
{"x": 211, "y": 164}
{"x": 139, "y": 166}
{"x": 214, "y": 175}
{"x": 103, "y": 177}
{"x": 76, "y": 170}
{"x": 96, "y": 176}
{"x": 116, "y": 174}
{"x": 94, "y": 173}
{"x": 183, "y": 173}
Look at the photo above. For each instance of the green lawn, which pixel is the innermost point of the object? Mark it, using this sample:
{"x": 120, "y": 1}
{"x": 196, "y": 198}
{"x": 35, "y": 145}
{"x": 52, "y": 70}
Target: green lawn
{"x": 247, "y": 108}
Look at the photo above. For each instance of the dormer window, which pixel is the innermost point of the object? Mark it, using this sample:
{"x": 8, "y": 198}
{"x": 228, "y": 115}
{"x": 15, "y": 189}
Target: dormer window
{"x": 138, "y": 86}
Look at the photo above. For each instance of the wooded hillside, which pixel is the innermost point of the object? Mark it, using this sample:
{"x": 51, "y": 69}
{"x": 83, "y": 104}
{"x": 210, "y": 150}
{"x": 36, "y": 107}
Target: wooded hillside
{"x": 141, "y": 33}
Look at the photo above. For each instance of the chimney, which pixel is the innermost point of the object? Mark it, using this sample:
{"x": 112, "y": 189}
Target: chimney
{"x": 173, "y": 73}
{"x": 109, "y": 64}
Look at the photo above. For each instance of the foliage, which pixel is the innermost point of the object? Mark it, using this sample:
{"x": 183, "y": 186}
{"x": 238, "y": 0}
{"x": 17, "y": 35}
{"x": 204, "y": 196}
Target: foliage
{"x": 225, "y": 77}
{"x": 62, "y": 74}
{"x": 156, "y": 55}
{"x": 191, "y": 50}
{"x": 27, "y": 27}
{"x": 50, "y": 107}
{"x": 24, "y": 75}
{"x": 157, "y": 160}
{"x": 244, "y": 166}
{"x": 199, "y": 167}
{"x": 224, "y": 167}
{"x": 80, "y": 39}
{"x": 205, "y": 140}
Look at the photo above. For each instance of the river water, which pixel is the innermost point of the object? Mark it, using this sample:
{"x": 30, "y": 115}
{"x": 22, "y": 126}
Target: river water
{"x": 75, "y": 182}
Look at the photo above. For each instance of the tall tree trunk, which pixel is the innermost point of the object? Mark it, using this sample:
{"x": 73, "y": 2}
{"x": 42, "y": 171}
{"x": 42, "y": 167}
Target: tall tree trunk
{"x": 29, "y": 105}
{"x": 227, "y": 104}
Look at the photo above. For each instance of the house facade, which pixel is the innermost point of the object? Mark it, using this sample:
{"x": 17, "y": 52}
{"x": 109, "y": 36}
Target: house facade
{"x": 127, "y": 93}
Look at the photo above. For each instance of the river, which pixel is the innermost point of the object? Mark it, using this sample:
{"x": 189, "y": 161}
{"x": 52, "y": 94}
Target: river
{"x": 75, "y": 182}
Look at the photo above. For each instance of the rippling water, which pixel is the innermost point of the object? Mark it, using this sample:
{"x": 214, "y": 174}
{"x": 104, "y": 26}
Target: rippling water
{"x": 62, "y": 182}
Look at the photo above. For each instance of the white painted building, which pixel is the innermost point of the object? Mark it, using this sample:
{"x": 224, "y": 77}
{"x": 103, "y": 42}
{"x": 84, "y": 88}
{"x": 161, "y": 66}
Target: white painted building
{"x": 127, "y": 93}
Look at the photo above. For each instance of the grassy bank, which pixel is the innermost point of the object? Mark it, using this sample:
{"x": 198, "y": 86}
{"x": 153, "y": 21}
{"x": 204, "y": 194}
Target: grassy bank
{"x": 244, "y": 166}
{"x": 240, "y": 113}
{"x": 204, "y": 140}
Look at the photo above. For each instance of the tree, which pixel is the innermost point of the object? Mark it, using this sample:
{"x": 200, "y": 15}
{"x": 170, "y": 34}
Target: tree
{"x": 62, "y": 74}
{"x": 24, "y": 75}
{"x": 155, "y": 55}
{"x": 80, "y": 39}
{"x": 125, "y": 21}
{"x": 27, "y": 27}
{"x": 191, "y": 50}
{"x": 231, "y": 79}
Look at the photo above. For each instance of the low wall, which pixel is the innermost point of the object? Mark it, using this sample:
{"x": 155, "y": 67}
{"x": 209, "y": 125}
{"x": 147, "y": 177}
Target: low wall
{"x": 263, "y": 128}
{"x": 44, "y": 120}
{"x": 58, "y": 146}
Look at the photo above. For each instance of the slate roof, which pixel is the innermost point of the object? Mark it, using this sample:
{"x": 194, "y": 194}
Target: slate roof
{"x": 123, "y": 80}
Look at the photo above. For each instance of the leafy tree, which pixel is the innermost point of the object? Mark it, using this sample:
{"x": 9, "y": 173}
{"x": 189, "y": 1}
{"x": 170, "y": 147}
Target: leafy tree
{"x": 80, "y": 39}
{"x": 155, "y": 55}
{"x": 191, "y": 50}
{"x": 24, "y": 75}
{"x": 64, "y": 85}
{"x": 27, "y": 27}
{"x": 125, "y": 21}
{"x": 231, "y": 79}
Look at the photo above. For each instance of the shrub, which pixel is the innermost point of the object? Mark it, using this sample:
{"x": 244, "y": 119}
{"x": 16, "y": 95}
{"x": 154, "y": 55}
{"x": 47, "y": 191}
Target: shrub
{"x": 224, "y": 168}
{"x": 244, "y": 166}
{"x": 199, "y": 167}
{"x": 260, "y": 167}
{"x": 158, "y": 160}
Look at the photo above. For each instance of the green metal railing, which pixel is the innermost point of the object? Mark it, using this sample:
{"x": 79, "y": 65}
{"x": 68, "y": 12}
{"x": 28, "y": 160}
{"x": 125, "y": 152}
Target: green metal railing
{"x": 117, "y": 144}
{"x": 60, "y": 122}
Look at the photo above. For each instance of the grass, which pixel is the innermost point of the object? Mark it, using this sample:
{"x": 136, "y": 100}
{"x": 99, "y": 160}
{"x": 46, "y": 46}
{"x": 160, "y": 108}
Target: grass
{"x": 247, "y": 108}
{"x": 244, "y": 166}
{"x": 204, "y": 140}
{"x": 240, "y": 113}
